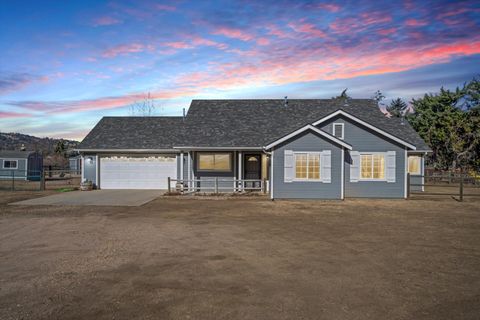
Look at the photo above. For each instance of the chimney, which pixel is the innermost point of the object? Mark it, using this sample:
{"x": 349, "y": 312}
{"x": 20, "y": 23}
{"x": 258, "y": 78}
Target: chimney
{"x": 285, "y": 101}
{"x": 22, "y": 148}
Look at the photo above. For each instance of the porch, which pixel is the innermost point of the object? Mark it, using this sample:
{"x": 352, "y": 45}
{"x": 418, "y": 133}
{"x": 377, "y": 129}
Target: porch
{"x": 222, "y": 171}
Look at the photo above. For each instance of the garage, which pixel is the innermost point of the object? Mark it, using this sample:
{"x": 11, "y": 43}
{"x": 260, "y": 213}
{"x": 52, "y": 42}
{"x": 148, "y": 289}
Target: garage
{"x": 137, "y": 172}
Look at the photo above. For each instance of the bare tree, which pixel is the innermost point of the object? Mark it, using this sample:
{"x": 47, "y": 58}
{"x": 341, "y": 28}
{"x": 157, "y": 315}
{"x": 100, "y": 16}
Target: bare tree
{"x": 146, "y": 107}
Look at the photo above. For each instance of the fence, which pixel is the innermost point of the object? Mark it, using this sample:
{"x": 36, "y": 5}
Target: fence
{"x": 443, "y": 184}
{"x": 21, "y": 180}
{"x": 218, "y": 185}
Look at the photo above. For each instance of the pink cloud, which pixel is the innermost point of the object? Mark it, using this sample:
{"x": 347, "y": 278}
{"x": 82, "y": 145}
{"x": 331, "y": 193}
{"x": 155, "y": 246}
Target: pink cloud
{"x": 263, "y": 41}
{"x": 105, "y": 21}
{"x": 17, "y": 81}
{"x": 358, "y": 24}
{"x": 233, "y": 33}
{"x": 415, "y": 23}
{"x": 179, "y": 45}
{"x": 307, "y": 28}
{"x": 452, "y": 12}
{"x": 125, "y": 49}
{"x": 386, "y": 32}
{"x": 329, "y": 7}
{"x": 275, "y": 31}
{"x": 9, "y": 115}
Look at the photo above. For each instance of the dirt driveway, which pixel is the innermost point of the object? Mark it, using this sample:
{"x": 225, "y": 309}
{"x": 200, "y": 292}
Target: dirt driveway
{"x": 241, "y": 259}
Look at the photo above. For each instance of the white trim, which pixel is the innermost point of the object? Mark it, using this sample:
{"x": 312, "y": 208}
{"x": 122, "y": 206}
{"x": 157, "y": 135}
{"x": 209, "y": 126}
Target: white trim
{"x": 384, "y": 154}
{"x": 97, "y": 177}
{"x": 181, "y": 166}
{"x": 294, "y": 178}
{"x": 342, "y": 182}
{"x": 82, "y": 167}
{"x": 423, "y": 173}
{"x": 218, "y": 148}
{"x": 366, "y": 124}
{"x": 309, "y": 127}
{"x": 405, "y": 174}
{"x": 271, "y": 175}
{"x": 240, "y": 169}
{"x": 12, "y": 159}
{"x": 234, "y": 170}
{"x": 189, "y": 172}
{"x": 343, "y": 129}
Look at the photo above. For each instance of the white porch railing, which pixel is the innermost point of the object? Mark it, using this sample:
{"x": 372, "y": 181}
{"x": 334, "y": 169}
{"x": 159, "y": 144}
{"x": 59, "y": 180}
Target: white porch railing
{"x": 217, "y": 185}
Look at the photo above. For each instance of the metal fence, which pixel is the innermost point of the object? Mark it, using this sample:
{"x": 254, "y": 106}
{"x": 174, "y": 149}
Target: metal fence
{"x": 21, "y": 180}
{"x": 217, "y": 185}
{"x": 455, "y": 185}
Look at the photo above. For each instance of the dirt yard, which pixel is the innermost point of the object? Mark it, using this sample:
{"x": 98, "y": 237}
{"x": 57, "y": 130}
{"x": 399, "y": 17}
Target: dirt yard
{"x": 241, "y": 259}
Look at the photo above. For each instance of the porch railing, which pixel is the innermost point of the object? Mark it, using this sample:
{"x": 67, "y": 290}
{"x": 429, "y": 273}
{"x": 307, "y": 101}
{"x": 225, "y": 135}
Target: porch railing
{"x": 217, "y": 185}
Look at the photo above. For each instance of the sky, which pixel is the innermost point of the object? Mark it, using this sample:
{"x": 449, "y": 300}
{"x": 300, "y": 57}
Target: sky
{"x": 66, "y": 64}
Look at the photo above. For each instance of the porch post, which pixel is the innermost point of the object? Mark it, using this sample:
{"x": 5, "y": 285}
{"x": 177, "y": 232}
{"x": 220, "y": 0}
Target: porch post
{"x": 189, "y": 172}
{"x": 240, "y": 175}
{"x": 234, "y": 171}
{"x": 181, "y": 166}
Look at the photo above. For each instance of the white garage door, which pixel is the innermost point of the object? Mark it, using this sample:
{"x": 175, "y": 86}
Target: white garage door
{"x": 137, "y": 172}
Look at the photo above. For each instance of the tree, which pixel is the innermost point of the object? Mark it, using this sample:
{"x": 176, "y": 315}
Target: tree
{"x": 379, "y": 97}
{"x": 145, "y": 107}
{"x": 343, "y": 95}
{"x": 449, "y": 122}
{"x": 60, "y": 148}
{"x": 397, "y": 108}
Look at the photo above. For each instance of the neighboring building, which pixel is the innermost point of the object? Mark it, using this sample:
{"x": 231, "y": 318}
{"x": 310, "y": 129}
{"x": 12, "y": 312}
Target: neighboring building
{"x": 25, "y": 165}
{"x": 314, "y": 149}
{"x": 75, "y": 164}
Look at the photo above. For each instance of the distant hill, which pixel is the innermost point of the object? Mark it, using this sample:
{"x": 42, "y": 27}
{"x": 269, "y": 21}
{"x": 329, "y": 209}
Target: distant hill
{"x": 14, "y": 141}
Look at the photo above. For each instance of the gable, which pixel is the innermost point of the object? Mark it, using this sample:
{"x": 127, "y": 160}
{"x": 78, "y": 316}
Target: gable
{"x": 360, "y": 137}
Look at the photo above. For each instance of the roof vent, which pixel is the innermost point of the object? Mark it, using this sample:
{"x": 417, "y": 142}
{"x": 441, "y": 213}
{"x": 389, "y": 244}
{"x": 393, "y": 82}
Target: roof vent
{"x": 184, "y": 114}
{"x": 345, "y": 103}
{"x": 285, "y": 101}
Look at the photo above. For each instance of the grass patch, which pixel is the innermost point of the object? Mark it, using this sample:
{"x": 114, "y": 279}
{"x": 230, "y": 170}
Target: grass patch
{"x": 68, "y": 189}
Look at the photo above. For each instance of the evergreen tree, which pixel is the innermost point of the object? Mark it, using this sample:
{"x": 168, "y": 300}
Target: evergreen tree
{"x": 343, "y": 95}
{"x": 397, "y": 108}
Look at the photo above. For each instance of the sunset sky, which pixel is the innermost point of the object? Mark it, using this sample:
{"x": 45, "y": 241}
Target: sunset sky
{"x": 65, "y": 64}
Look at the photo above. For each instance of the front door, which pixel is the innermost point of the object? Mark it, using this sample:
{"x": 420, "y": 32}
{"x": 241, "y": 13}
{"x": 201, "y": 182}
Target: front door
{"x": 252, "y": 171}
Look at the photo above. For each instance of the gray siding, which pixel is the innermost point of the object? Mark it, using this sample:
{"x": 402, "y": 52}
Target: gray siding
{"x": 363, "y": 139}
{"x": 90, "y": 169}
{"x": 20, "y": 172}
{"x": 307, "y": 190}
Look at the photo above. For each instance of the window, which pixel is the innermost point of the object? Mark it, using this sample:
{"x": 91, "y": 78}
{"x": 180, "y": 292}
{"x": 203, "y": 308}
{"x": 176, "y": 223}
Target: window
{"x": 307, "y": 166}
{"x": 214, "y": 162}
{"x": 414, "y": 164}
{"x": 10, "y": 164}
{"x": 372, "y": 166}
{"x": 338, "y": 130}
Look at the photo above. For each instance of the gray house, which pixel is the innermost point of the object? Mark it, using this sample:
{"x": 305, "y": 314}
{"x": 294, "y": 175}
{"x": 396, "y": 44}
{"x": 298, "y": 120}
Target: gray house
{"x": 313, "y": 149}
{"x": 23, "y": 165}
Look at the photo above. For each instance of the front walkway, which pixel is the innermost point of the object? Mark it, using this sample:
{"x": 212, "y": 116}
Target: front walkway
{"x": 130, "y": 198}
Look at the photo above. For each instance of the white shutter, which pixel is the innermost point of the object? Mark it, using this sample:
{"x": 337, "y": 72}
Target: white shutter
{"x": 355, "y": 166}
{"x": 326, "y": 166}
{"x": 288, "y": 166}
{"x": 390, "y": 166}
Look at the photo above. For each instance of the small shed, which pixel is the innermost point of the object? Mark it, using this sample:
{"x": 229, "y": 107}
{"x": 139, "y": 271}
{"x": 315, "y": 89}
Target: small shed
{"x": 23, "y": 165}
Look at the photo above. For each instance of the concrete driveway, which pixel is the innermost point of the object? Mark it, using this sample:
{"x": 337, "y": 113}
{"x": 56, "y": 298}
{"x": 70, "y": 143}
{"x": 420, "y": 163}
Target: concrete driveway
{"x": 130, "y": 198}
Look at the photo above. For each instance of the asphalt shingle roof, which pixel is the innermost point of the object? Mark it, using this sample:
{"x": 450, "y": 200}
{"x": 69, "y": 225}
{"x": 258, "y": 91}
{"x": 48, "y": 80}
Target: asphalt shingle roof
{"x": 135, "y": 133}
{"x": 236, "y": 123}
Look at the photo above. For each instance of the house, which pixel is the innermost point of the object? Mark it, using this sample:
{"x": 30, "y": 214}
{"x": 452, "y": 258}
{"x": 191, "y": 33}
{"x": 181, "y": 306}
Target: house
{"x": 308, "y": 148}
{"x": 23, "y": 165}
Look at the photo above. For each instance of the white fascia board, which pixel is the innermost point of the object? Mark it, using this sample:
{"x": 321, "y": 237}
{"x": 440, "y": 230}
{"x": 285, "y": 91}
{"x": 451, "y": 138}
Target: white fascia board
{"x": 130, "y": 150}
{"x": 309, "y": 127}
{"x": 219, "y": 148}
{"x": 366, "y": 124}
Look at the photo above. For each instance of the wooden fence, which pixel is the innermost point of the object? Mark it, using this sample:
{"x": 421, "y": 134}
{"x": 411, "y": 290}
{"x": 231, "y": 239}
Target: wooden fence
{"x": 458, "y": 185}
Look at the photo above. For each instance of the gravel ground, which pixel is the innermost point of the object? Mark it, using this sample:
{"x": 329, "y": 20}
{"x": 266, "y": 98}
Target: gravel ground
{"x": 241, "y": 259}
